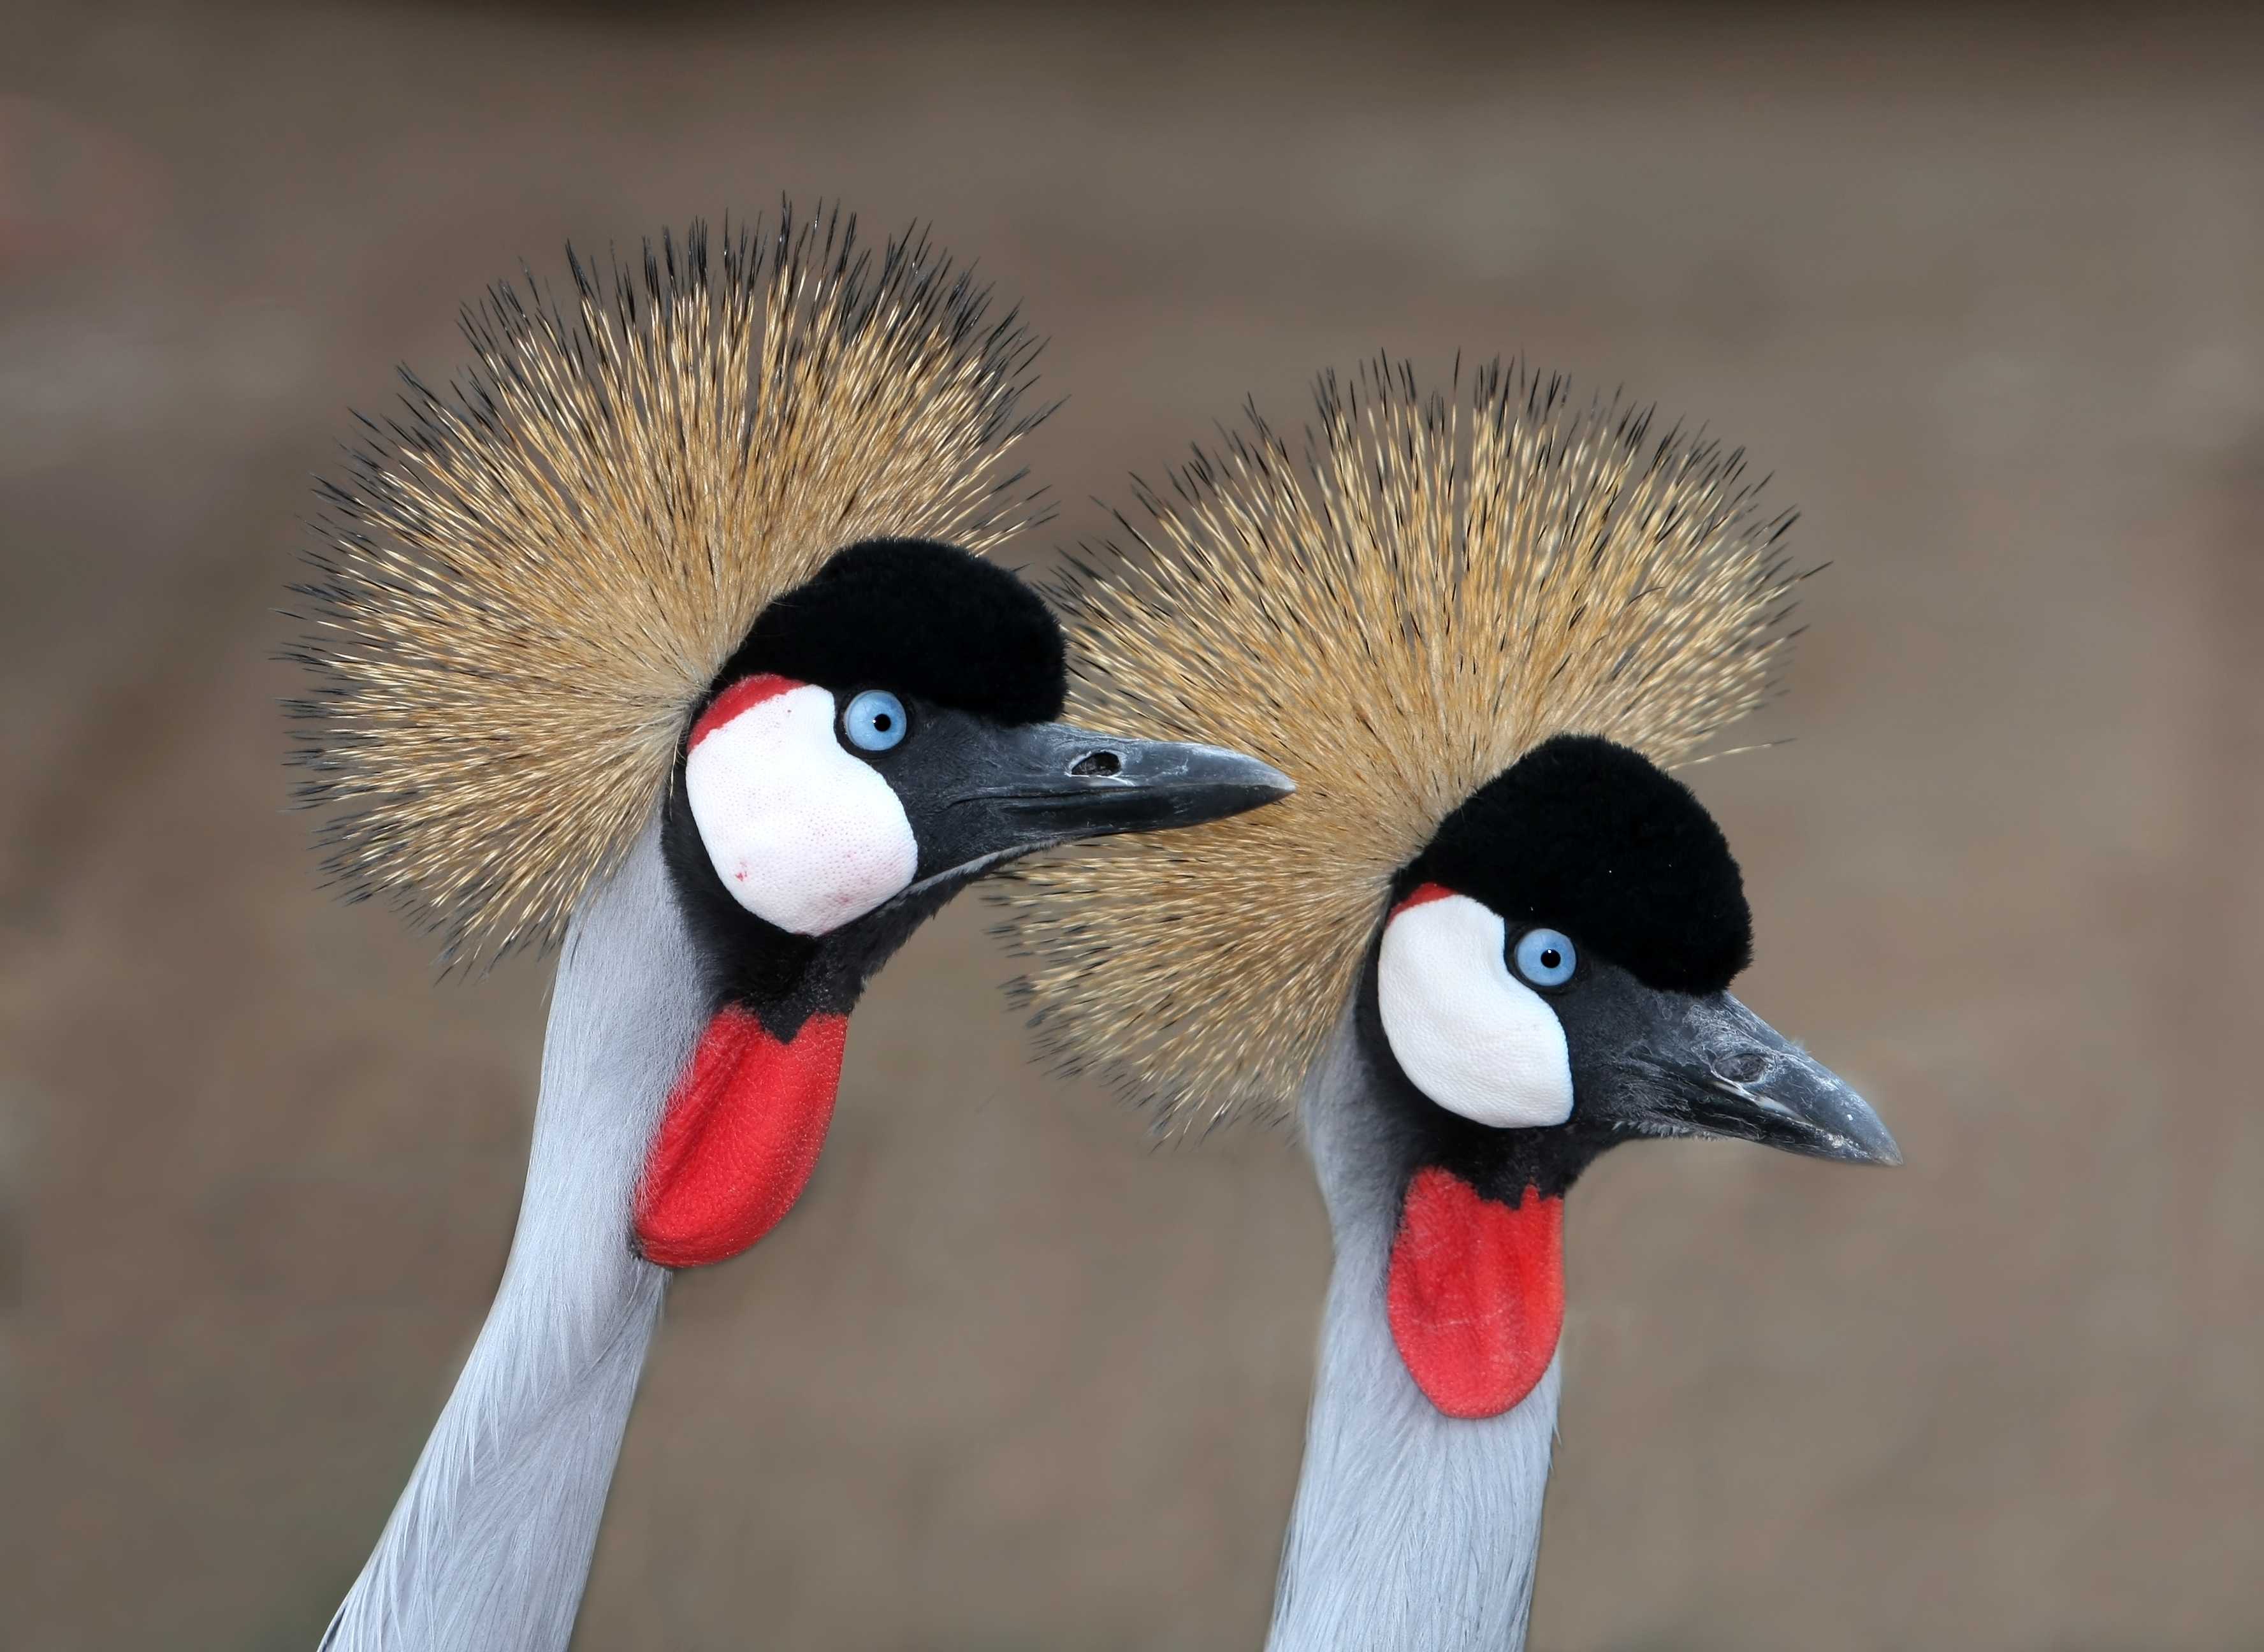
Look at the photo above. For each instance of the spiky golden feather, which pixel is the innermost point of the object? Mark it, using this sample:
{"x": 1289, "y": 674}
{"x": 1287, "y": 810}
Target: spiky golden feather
{"x": 523, "y": 587}
{"x": 1392, "y": 623}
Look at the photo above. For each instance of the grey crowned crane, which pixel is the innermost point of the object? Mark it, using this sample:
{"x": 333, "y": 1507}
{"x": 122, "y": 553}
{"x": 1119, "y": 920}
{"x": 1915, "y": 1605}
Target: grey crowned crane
{"x": 664, "y": 635}
{"x": 1488, "y": 937}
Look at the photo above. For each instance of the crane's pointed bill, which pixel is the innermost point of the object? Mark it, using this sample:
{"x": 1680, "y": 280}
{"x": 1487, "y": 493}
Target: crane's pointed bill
{"x": 1709, "y": 1066}
{"x": 1018, "y": 788}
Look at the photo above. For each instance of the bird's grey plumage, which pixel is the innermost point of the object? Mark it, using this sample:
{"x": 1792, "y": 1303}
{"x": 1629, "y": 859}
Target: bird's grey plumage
{"x": 1413, "y": 1530}
{"x": 489, "y": 1548}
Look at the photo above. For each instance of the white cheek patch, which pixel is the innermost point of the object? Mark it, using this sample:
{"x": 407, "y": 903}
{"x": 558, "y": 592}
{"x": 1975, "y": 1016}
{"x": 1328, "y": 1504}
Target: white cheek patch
{"x": 803, "y": 834}
{"x": 1468, "y": 1034}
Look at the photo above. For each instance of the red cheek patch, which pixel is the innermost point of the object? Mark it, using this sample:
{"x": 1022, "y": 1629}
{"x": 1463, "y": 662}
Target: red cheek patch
{"x": 1477, "y": 1294}
{"x": 1421, "y": 894}
{"x": 744, "y": 695}
{"x": 739, "y": 1140}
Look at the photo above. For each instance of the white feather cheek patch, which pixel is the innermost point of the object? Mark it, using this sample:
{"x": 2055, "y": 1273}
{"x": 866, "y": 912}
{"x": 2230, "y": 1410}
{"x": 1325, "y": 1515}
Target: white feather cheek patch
{"x": 1468, "y": 1034}
{"x": 804, "y": 835}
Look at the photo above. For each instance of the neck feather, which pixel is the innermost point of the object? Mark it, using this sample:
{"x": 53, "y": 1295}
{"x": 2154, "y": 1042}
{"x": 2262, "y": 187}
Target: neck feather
{"x": 1412, "y": 1531}
{"x": 490, "y": 1547}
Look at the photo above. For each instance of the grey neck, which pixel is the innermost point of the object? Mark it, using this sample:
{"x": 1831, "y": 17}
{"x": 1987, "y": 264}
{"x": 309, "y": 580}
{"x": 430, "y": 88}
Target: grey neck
{"x": 490, "y": 1547}
{"x": 1413, "y": 1530}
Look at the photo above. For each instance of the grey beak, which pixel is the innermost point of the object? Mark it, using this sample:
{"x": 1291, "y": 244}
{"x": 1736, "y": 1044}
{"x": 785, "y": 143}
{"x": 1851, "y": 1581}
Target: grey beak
{"x": 979, "y": 792}
{"x": 1071, "y": 782}
{"x": 1711, "y": 1067}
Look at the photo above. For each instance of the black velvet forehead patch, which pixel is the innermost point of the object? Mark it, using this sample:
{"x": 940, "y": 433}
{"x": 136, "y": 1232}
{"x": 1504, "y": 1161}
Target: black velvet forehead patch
{"x": 916, "y": 617}
{"x": 1594, "y": 839}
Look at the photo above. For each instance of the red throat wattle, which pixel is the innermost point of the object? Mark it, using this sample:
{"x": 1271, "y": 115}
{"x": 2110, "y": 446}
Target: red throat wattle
{"x": 1476, "y": 1293}
{"x": 741, "y": 1135}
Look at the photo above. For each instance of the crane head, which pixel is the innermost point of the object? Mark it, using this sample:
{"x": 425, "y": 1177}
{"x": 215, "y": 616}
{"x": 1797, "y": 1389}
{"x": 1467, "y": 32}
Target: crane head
{"x": 1553, "y": 979}
{"x": 1477, "y": 637}
{"x": 886, "y": 733}
{"x": 890, "y": 730}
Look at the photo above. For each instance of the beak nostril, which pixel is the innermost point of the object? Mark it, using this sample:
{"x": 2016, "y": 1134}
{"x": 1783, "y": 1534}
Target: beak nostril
{"x": 1742, "y": 1067}
{"x": 1098, "y": 763}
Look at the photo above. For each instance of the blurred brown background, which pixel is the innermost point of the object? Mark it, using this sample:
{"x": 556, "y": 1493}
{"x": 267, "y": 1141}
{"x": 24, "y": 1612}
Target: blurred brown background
{"x": 1986, "y": 292}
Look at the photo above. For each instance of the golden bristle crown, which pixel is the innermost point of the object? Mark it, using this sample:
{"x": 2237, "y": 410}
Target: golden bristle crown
{"x": 524, "y": 586}
{"x": 1392, "y": 623}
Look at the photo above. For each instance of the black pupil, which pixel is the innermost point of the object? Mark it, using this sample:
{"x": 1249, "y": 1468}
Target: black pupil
{"x": 1550, "y": 958}
{"x": 881, "y": 721}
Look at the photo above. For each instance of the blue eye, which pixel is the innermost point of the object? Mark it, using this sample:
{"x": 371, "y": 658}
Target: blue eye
{"x": 1545, "y": 957}
{"x": 875, "y": 720}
